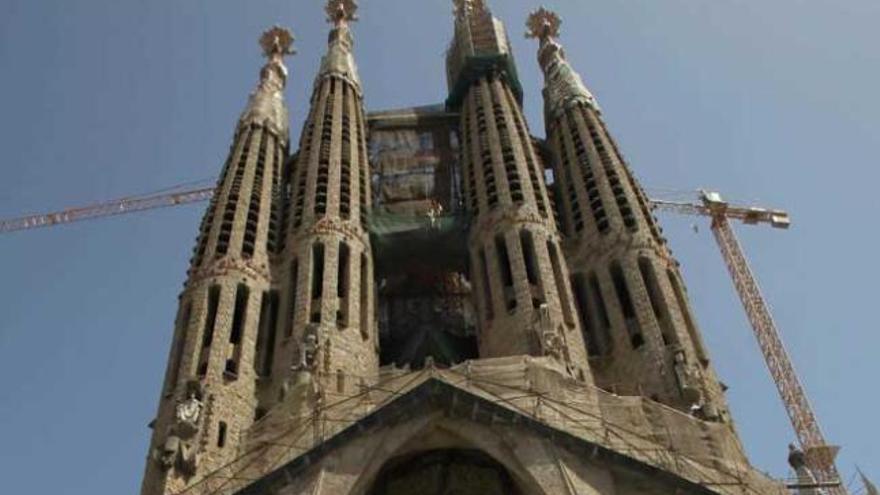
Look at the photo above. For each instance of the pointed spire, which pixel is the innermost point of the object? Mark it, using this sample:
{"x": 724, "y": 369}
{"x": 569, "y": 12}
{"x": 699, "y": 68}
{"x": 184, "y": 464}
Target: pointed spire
{"x": 339, "y": 60}
{"x": 266, "y": 104}
{"x": 562, "y": 85}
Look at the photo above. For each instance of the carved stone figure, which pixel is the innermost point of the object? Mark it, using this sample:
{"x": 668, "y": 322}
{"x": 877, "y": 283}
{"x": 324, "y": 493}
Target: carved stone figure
{"x": 188, "y": 411}
{"x": 308, "y": 352}
{"x": 178, "y": 454}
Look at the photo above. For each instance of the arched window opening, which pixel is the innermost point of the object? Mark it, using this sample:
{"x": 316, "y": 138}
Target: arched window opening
{"x": 291, "y": 298}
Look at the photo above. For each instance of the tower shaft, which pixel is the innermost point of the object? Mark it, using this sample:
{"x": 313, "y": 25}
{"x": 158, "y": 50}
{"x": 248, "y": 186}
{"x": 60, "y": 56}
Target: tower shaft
{"x": 521, "y": 281}
{"x": 328, "y": 291}
{"x": 640, "y": 331}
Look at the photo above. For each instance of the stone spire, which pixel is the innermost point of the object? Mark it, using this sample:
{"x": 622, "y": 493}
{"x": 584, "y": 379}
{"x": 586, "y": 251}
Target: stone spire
{"x": 339, "y": 60}
{"x": 266, "y": 105}
{"x": 563, "y": 85}
{"x": 327, "y": 289}
{"x": 629, "y": 293}
{"x": 209, "y": 398}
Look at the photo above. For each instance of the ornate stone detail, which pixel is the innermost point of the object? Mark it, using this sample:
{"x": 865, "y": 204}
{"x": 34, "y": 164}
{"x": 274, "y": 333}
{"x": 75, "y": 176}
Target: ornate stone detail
{"x": 225, "y": 265}
{"x": 340, "y": 11}
{"x": 188, "y": 411}
{"x": 266, "y": 105}
{"x": 178, "y": 451}
{"x": 543, "y": 23}
{"x": 339, "y": 61}
{"x": 563, "y": 86}
{"x": 330, "y": 225}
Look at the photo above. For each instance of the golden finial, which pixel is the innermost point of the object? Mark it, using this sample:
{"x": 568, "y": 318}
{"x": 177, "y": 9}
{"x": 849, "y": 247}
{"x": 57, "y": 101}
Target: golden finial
{"x": 277, "y": 42}
{"x": 543, "y": 24}
{"x": 340, "y": 11}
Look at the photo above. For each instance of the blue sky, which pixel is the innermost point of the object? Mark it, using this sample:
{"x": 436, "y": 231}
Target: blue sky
{"x": 770, "y": 102}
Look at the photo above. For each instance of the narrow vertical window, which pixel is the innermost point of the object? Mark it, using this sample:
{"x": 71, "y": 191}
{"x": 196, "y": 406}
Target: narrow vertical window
{"x": 317, "y": 281}
{"x": 582, "y": 299}
{"x": 601, "y": 308}
{"x": 239, "y": 314}
{"x": 487, "y": 287}
{"x": 271, "y": 325}
{"x": 696, "y": 338}
{"x": 342, "y": 284}
{"x": 340, "y": 381}
{"x": 529, "y": 256}
{"x": 561, "y": 288}
{"x": 262, "y": 334}
{"x": 221, "y": 434}
{"x": 253, "y": 215}
{"x": 506, "y": 272}
{"x": 208, "y": 332}
{"x": 624, "y": 297}
{"x": 291, "y": 298}
{"x": 661, "y": 311}
{"x": 504, "y": 261}
{"x": 365, "y": 297}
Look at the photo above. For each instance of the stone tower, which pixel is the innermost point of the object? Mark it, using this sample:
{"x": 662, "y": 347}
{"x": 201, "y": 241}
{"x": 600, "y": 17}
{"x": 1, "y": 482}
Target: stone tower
{"x": 641, "y": 334}
{"x": 516, "y": 262}
{"x": 209, "y": 397}
{"x": 393, "y": 308}
{"x": 326, "y": 268}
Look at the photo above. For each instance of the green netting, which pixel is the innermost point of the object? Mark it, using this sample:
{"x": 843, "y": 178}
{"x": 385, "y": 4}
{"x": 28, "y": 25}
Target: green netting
{"x": 401, "y": 240}
{"x": 477, "y": 66}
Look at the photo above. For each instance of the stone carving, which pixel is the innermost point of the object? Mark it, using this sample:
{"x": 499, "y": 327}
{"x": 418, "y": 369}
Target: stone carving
{"x": 188, "y": 411}
{"x": 687, "y": 381}
{"x": 225, "y": 265}
{"x": 563, "y": 86}
{"x": 308, "y": 351}
{"x": 178, "y": 451}
{"x": 551, "y": 339}
{"x": 341, "y": 11}
{"x": 543, "y": 23}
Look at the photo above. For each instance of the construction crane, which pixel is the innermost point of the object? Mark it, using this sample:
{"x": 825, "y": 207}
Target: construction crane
{"x": 819, "y": 455}
{"x": 108, "y": 208}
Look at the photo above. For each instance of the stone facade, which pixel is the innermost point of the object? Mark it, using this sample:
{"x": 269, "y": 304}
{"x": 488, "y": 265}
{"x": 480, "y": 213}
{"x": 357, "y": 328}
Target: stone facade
{"x": 465, "y": 328}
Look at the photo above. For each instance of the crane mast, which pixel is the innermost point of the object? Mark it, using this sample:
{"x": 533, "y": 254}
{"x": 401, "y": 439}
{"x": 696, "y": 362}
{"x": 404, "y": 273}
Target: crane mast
{"x": 819, "y": 455}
